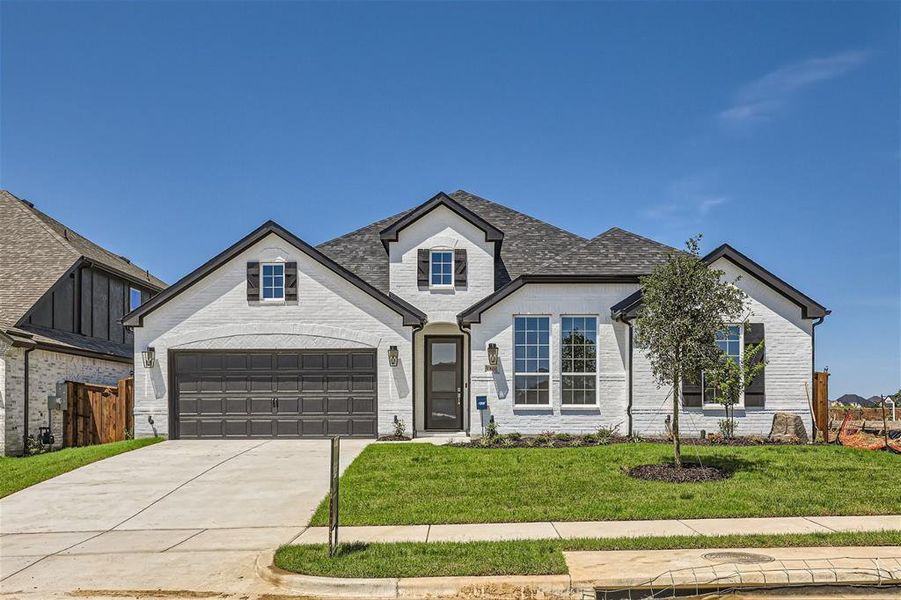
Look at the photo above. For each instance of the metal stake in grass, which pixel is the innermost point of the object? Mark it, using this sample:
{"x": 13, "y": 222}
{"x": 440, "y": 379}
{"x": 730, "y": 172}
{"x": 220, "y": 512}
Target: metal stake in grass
{"x": 333, "y": 498}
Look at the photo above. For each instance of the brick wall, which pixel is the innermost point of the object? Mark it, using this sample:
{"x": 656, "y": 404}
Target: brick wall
{"x": 46, "y": 369}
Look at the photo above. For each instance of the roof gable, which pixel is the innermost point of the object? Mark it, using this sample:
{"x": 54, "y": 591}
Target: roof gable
{"x": 410, "y": 314}
{"x": 527, "y": 243}
{"x": 390, "y": 233}
{"x": 36, "y": 250}
{"x": 810, "y": 309}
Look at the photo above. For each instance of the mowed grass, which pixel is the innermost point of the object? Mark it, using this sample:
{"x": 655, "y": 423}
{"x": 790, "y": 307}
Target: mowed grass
{"x": 18, "y": 473}
{"x": 524, "y": 557}
{"x": 403, "y": 484}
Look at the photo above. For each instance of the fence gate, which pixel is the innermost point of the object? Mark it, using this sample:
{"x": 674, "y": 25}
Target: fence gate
{"x": 98, "y": 414}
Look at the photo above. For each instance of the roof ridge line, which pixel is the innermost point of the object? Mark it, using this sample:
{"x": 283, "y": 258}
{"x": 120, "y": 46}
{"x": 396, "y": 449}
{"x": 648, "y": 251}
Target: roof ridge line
{"x": 483, "y": 199}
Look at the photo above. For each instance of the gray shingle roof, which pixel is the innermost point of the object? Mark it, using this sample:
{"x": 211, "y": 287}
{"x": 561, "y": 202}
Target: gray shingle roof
{"x": 36, "y": 250}
{"x": 614, "y": 252}
{"x": 527, "y": 242}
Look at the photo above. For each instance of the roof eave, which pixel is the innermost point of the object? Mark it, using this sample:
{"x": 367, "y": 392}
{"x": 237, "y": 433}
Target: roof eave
{"x": 390, "y": 233}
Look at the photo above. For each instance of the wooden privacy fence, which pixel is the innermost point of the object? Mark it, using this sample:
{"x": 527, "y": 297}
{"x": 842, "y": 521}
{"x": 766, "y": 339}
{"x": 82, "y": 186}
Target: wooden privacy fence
{"x": 98, "y": 414}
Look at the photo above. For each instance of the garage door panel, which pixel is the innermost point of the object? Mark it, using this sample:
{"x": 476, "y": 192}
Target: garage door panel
{"x": 269, "y": 394}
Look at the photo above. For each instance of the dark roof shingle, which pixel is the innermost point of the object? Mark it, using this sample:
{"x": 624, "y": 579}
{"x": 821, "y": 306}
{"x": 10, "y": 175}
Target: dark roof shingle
{"x": 614, "y": 252}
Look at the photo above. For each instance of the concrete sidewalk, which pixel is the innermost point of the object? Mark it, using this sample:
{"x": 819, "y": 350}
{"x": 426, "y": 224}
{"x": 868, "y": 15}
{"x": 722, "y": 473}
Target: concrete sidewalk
{"x": 602, "y": 529}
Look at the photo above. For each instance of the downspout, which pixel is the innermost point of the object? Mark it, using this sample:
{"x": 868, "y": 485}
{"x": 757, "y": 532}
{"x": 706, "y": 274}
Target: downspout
{"x": 628, "y": 322}
{"x": 467, "y": 387}
{"x": 416, "y": 330}
{"x": 25, "y": 406}
{"x": 813, "y": 371}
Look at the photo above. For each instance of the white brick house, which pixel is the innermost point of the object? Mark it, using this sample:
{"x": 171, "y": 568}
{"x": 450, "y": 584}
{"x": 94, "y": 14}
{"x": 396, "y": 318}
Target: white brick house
{"x": 62, "y": 299}
{"x": 399, "y": 319}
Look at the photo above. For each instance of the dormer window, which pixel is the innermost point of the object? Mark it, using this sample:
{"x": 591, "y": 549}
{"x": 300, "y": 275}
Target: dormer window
{"x": 273, "y": 281}
{"x": 441, "y": 270}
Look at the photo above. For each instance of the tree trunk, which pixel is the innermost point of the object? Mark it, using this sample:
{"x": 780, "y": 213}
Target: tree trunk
{"x": 677, "y": 450}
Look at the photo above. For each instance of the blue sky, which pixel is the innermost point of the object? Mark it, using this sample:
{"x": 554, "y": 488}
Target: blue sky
{"x": 167, "y": 130}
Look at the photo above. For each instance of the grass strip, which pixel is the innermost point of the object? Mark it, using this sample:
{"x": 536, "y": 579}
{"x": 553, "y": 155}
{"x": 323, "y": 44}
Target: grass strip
{"x": 18, "y": 473}
{"x": 524, "y": 557}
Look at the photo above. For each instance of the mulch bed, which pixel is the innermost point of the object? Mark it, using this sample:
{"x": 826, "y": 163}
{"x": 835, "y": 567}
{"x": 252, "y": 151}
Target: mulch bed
{"x": 394, "y": 438}
{"x": 689, "y": 473}
{"x": 577, "y": 441}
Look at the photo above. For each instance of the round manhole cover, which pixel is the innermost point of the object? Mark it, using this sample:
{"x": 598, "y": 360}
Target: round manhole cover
{"x": 738, "y": 557}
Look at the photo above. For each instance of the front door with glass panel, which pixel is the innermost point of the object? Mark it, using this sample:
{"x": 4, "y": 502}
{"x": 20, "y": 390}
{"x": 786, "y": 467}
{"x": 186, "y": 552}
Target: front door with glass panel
{"x": 444, "y": 383}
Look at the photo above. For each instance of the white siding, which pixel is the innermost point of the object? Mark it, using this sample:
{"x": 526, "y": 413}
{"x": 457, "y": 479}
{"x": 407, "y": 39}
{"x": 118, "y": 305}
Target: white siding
{"x": 442, "y": 228}
{"x": 330, "y": 313}
{"x": 552, "y": 300}
{"x": 788, "y": 353}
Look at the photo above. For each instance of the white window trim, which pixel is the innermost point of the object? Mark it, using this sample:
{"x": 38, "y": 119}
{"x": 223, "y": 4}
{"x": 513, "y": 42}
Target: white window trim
{"x": 442, "y": 286}
{"x": 597, "y": 397}
{"x": 741, "y": 355}
{"x": 550, "y": 363}
{"x": 140, "y": 295}
{"x": 262, "y": 292}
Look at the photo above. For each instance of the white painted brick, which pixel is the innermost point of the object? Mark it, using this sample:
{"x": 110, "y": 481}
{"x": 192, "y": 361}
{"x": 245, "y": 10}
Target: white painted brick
{"x": 214, "y": 314}
{"x": 442, "y": 228}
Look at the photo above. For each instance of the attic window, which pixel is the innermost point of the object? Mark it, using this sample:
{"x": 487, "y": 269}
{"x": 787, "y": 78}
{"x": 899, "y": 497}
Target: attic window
{"x": 273, "y": 281}
{"x": 442, "y": 268}
{"x": 134, "y": 298}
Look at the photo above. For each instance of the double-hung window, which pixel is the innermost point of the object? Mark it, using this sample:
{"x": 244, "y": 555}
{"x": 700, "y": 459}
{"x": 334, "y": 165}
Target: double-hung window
{"x": 531, "y": 360}
{"x": 441, "y": 270}
{"x": 273, "y": 280}
{"x": 730, "y": 342}
{"x": 578, "y": 355}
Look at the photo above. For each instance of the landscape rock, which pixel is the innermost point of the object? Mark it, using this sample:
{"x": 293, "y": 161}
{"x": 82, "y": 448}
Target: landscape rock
{"x": 788, "y": 427}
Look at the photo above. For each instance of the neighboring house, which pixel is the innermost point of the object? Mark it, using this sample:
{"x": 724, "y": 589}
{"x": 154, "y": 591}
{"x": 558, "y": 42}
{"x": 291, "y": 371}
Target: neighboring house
{"x": 62, "y": 299}
{"x": 400, "y": 319}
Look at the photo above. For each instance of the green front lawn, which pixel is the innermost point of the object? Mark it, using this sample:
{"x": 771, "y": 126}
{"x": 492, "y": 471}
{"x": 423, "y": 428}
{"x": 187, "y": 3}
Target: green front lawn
{"x": 19, "y": 473}
{"x": 531, "y": 557}
{"x": 402, "y": 484}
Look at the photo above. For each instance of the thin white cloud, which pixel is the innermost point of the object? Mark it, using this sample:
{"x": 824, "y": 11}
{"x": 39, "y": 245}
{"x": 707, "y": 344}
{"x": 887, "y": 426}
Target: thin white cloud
{"x": 689, "y": 200}
{"x": 765, "y": 97}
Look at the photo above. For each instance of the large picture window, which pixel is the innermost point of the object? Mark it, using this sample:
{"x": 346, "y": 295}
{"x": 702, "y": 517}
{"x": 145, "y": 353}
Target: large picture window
{"x": 730, "y": 342}
{"x": 532, "y": 360}
{"x": 273, "y": 281}
{"x": 578, "y": 355}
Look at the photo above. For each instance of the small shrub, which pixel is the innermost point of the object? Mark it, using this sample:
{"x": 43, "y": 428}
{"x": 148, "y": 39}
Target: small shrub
{"x": 715, "y": 438}
{"x": 756, "y": 439}
{"x": 515, "y": 436}
{"x": 576, "y": 443}
{"x": 400, "y": 428}
{"x": 531, "y": 441}
{"x": 727, "y": 428}
{"x": 491, "y": 429}
{"x": 34, "y": 446}
{"x": 508, "y": 442}
{"x": 589, "y": 438}
{"x": 563, "y": 437}
{"x": 484, "y": 442}
{"x": 606, "y": 434}
{"x": 542, "y": 438}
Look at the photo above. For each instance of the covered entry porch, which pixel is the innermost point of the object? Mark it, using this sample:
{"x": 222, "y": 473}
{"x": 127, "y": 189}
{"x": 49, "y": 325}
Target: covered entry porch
{"x": 441, "y": 398}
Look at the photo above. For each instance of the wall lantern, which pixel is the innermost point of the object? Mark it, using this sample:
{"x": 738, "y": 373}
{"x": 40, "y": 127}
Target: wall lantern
{"x": 392, "y": 356}
{"x": 148, "y": 355}
{"x": 492, "y": 357}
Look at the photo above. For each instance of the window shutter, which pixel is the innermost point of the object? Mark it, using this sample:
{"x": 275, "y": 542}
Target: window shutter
{"x": 290, "y": 281}
{"x": 422, "y": 267}
{"x": 692, "y": 396}
{"x": 755, "y": 395}
{"x": 253, "y": 281}
{"x": 460, "y": 267}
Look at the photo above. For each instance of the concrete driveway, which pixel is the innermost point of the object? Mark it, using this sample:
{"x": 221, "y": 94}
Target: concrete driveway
{"x": 176, "y": 515}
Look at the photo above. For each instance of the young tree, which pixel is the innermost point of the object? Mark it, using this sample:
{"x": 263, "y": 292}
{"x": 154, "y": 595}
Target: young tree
{"x": 685, "y": 304}
{"x": 729, "y": 380}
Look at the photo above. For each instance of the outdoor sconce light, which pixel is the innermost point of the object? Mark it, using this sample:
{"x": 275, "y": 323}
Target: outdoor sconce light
{"x": 492, "y": 357}
{"x": 392, "y": 356}
{"x": 148, "y": 355}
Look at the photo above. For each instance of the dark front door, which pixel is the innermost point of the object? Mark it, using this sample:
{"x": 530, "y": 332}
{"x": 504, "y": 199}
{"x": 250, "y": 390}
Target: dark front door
{"x": 274, "y": 394}
{"x": 444, "y": 383}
